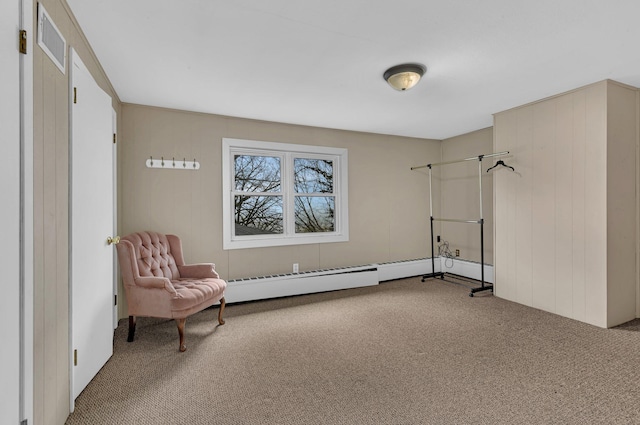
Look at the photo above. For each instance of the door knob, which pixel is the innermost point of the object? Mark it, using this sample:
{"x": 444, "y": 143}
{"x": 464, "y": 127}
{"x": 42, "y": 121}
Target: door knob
{"x": 114, "y": 241}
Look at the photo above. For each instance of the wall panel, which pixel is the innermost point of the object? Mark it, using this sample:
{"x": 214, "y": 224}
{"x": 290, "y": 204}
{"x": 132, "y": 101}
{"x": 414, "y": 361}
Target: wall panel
{"x": 595, "y": 204}
{"x": 519, "y": 194}
{"x": 504, "y": 286}
{"x": 578, "y": 161}
{"x": 621, "y": 214}
{"x": 575, "y": 208}
{"x": 564, "y": 206}
{"x": 543, "y": 205}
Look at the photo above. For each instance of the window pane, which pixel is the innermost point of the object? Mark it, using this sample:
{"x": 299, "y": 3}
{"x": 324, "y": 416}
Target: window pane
{"x": 258, "y": 215}
{"x": 315, "y": 214}
{"x": 313, "y": 175}
{"x": 257, "y": 173}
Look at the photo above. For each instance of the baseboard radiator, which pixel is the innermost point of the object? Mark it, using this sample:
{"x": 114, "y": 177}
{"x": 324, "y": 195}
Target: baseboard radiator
{"x": 283, "y": 285}
{"x": 407, "y": 268}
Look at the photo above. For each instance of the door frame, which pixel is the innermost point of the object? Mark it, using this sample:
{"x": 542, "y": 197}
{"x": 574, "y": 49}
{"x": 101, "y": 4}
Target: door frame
{"x": 26, "y": 217}
{"x": 116, "y": 269}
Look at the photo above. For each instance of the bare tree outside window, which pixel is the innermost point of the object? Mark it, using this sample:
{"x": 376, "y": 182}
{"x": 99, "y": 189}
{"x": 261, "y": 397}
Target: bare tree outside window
{"x": 315, "y": 211}
{"x": 260, "y": 210}
{"x": 314, "y": 214}
{"x": 313, "y": 175}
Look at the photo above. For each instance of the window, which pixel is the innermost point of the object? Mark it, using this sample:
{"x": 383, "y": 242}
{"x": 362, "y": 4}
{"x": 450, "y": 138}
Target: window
{"x": 283, "y": 194}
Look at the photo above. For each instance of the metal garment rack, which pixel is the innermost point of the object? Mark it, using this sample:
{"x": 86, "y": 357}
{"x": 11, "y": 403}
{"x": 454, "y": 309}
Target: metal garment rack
{"x": 484, "y": 286}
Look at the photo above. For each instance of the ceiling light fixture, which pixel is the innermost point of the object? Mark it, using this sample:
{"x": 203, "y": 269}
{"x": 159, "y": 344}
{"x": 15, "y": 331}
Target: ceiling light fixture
{"x": 403, "y": 77}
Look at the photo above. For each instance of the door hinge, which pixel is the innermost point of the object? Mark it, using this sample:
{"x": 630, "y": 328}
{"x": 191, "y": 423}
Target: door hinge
{"x": 115, "y": 300}
{"x": 114, "y": 138}
{"x": 23, "y": 42}
{"x": 75, "y": 95}
{"x": 75, "y": 357}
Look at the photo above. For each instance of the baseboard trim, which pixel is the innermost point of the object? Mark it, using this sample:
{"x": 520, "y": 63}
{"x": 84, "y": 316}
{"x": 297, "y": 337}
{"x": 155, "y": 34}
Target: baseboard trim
{"x": 275, "y": 286}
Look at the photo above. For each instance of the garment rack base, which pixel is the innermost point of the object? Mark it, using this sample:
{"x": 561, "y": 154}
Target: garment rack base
{"x": 485, "y": 286}
{"x": 433, "y": 275}
{"x": 482, "y": 288}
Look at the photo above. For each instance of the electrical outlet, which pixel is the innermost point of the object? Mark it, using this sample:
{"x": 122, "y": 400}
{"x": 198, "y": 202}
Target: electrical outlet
{"x": 457, "y": 252}
{"x": 295, "y": 267}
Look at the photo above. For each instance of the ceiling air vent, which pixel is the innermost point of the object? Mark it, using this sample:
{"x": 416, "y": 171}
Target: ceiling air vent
{"x": 50, "y": 39}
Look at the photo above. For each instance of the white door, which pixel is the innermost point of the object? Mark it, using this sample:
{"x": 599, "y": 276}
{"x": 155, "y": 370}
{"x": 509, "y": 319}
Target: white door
{"x": 10, "y": 213}
{"x": 91, "y": 212}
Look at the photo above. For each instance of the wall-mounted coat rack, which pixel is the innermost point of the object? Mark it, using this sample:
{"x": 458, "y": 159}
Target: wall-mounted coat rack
{"x": 173, "y": 164}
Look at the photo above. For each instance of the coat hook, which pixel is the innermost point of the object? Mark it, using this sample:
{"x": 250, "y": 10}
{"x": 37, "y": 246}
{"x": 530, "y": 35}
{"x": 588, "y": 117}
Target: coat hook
{"x": 194, "y": 163}
{"x": 184, "y": 162}
{"x": 174, "y": 163}
{"x": 162, "y": 161}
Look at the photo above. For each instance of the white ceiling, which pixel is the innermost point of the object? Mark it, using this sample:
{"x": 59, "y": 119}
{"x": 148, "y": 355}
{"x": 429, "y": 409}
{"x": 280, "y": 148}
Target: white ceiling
{"x": 320, "y": 62}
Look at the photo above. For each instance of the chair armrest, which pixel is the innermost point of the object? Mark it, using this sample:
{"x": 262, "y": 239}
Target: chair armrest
{"x": 198, "y": 270}
{"x": 127, "y": 261}
{"x": 159, "y": 283}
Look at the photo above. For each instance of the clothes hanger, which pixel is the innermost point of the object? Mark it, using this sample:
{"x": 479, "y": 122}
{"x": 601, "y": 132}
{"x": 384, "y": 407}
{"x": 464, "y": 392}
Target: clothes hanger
{"x": 501, "y": 162}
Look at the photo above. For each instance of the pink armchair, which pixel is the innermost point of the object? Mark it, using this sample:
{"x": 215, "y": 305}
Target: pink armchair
{"x": 158, "y": 283}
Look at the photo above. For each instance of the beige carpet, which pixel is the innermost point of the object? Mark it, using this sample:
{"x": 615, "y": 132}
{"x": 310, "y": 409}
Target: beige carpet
{"x": 402, "y": 352}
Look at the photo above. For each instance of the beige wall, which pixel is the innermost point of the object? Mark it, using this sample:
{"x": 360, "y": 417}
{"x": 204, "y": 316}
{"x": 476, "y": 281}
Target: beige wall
{"x": 460, "y": 194}
{"x": 388, "y": 203}
{"x": 51, "y": 215}
{"x": 565, "y": 224}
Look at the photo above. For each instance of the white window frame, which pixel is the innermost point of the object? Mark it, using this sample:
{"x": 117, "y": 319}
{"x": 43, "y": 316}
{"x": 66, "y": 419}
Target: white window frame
{"x": 287, "y": 151}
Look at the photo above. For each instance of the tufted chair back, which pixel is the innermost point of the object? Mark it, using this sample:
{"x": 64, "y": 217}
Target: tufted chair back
{"x": 153, "y": 255}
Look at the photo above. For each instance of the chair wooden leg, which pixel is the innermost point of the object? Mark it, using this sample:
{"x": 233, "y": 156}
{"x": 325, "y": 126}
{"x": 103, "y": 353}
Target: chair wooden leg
{"x": 222, "y": 304}
{"x": 180, "y": 323}
{"x": 132, "y": 328}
